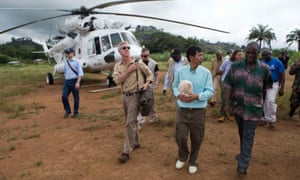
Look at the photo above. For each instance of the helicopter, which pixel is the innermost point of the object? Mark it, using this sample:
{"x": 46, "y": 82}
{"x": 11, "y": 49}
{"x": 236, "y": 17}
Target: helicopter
{"x": 94, "y": 41}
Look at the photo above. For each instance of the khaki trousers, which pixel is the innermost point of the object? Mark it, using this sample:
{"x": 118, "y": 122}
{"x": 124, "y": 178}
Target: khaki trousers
{"x": 217, "y": 87}
{"x": 130, "y": 105}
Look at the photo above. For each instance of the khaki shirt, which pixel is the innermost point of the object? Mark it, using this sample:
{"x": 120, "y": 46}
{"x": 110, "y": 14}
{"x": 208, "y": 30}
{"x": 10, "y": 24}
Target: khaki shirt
{"x": 215, "y": 67}
{"x": 130, "y": 84}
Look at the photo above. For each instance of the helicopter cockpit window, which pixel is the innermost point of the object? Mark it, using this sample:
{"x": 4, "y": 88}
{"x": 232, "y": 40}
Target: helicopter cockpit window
{"x": 105, "y": 43}
{"x": 129, "y": 38}
{"x": 115, "y": 39}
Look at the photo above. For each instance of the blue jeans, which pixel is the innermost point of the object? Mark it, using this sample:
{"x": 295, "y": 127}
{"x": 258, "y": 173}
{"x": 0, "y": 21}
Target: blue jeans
{"x": 69, "y": 86}
{"x": 246, "y": 133}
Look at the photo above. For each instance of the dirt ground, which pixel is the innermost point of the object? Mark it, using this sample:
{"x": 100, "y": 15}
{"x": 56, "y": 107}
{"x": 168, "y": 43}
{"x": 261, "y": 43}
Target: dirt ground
{"x": 39, "y": 144}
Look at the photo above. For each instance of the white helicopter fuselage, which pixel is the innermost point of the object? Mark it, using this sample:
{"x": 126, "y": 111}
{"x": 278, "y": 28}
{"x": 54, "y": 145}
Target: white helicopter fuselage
{"x": 96, "y": 50}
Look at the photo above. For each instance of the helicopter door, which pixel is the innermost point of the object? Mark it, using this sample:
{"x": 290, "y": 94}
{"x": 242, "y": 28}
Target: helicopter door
{"x": 97, "y": 45}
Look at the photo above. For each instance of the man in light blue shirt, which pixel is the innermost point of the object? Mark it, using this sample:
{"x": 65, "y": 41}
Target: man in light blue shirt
{"x": 190, "y": 115}
{"x": 73, "y": 73}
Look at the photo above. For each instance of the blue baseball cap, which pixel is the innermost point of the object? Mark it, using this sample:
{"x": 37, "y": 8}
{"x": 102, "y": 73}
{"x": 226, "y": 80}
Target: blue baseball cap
{"x": 69, "y": 50}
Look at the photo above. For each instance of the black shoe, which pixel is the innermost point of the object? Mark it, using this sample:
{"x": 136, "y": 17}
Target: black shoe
{"x": 123, "y": 158}
{"x": 242, "y": 171}
{"x": 272, "y": 125}
{"x": 66, "y": 114}
{"x": 212, "y": 103}
{"x": 291, "y": 113}
{"x": 136, "y": 146}
{"x": 75, "y": 116}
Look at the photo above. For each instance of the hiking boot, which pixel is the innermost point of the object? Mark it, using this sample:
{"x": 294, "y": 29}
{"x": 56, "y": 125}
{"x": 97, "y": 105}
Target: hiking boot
{"x": 221, "y": 119}
{"x": 123, "y": 158}
{"x": 136, "y": 146}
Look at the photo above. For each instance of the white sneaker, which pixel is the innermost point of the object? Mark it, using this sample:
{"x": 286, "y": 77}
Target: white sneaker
{"x": 179, "y": 164}
{"x": 193, "y": 169}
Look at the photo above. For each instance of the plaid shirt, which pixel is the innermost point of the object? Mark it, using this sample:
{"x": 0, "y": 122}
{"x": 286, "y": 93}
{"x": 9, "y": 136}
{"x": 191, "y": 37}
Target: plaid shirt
{"x": 247, "y": 88}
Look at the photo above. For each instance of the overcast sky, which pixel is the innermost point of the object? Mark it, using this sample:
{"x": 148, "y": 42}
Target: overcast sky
{"x": 235, "y": 16}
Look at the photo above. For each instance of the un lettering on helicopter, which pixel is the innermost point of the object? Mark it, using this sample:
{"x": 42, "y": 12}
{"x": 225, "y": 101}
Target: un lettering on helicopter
{"x": 94, "y": 41}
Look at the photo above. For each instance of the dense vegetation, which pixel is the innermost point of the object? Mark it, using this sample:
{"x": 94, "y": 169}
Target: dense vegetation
{"x": 158, "y": 41}
{"x": 21, "y": 49}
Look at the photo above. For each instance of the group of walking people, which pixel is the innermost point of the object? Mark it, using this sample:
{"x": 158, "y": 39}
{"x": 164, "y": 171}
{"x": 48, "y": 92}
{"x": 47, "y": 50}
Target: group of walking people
{"x": 248, "y": 90}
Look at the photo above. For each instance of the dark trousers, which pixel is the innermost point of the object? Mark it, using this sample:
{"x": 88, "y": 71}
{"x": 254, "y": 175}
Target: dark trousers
{"x": 69, "y": 86}
{"x": 246, "y": 133}
{"x": 193, "y": 122}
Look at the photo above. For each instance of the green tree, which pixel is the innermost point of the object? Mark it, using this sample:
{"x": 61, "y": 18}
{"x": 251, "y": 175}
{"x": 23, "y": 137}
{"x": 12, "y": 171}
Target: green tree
{"x": 262, "y": 34}
{"x": 294, "y": 36}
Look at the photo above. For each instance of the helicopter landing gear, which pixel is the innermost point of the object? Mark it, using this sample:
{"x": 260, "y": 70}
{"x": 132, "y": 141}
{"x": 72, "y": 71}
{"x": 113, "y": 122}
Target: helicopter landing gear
{"x": 49, "y": 78}
{"x": 109, "y": 80}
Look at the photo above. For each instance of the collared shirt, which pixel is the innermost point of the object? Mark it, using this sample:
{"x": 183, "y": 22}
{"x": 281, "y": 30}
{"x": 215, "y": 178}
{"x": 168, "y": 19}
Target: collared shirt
{"x": 68, "y": 73}
{"x": 276, "y": 68}
{"x": 202, "y": 85}
{"x": 172, "y": 69}
{"x": 247, "y": 87}
{"x": 215, "y": 66}
{"x": 225, "y": 68}
{"x": 130, "y": 83}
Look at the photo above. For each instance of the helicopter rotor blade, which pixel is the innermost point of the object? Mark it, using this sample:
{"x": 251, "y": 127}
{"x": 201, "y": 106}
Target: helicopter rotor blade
{"x": 34, "y": 9}
{"x": 113, "y": 3}
{"x": 160, "y": 19}
{"x": 32, "y": 22}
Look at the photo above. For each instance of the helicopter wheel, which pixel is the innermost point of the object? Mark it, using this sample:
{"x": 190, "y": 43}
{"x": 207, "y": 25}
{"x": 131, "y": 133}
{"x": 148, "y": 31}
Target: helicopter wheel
{"x": 49, "y": 78}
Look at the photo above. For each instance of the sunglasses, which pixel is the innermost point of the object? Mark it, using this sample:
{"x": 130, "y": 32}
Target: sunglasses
{"x": 144, "y": 56}
{"x": 126, "y": 47}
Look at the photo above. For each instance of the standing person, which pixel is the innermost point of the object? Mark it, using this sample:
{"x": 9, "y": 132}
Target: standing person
{"x": 245, "y": 86}
{"x": 174, "y": 62}
{"x": 228, "y": 55}
{"x": 190, "y": 116}
{"x": 125, "y": 73}
{"x": 73, "y": 73}
{"x": 278, "y": 76}
{"x": 237, "y": 55}
{"x": 295, "y": 96}
{"x": 216, "y": 76}
{"x": 284, "y": 58}
{"x": 153, "y": 66}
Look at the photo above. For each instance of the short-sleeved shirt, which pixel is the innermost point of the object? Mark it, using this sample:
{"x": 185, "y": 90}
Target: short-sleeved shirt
{"x": 247, "y": 88}
{"x": 68, "y": 72}
{"x": 276, "y": 68}
{"x": 130, "y": 84}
